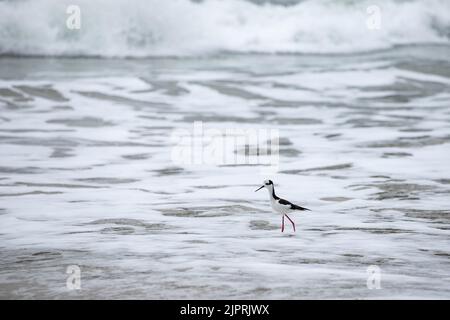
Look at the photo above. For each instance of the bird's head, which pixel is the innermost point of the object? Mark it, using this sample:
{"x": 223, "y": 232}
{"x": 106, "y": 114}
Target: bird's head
{"x": 267, "y": 184}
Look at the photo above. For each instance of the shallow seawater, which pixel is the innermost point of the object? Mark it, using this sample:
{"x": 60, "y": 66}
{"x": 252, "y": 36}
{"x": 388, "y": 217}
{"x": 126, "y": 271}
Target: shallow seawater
{"x": 87, "y": 179}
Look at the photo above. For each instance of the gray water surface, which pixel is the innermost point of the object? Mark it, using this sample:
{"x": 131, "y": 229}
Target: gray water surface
{"x": 86, "y": 177}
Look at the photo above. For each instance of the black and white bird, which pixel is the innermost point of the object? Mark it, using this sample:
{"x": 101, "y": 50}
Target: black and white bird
{"x": 280, "y": 205}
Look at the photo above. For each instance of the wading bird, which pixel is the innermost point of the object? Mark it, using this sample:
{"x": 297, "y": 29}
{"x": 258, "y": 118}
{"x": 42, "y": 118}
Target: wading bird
{"x": 280, "y": 205}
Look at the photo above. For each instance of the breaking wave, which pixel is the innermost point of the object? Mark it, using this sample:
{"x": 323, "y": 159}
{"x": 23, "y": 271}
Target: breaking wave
{"x": 140, "y": 28}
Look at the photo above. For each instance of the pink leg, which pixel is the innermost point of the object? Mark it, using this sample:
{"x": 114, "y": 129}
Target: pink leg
{"x": 293, "y": 224}
{"x": 282, "y": 224}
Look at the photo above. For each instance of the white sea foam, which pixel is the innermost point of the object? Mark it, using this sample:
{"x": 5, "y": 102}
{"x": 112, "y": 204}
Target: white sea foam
{"x": 86, "y": 177}
{"x": 181, "y": 27}
{"x": 201, "y": 231}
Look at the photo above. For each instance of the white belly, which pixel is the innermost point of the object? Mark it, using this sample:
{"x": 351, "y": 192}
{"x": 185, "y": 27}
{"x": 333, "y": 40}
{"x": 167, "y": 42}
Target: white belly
{"x": 280, "y": 208}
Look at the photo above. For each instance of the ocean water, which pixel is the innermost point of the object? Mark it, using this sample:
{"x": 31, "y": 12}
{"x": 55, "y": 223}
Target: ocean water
{"x": 88, "y": 178}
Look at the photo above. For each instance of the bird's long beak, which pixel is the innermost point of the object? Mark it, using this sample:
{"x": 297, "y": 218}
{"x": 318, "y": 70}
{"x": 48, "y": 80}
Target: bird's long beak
{"x": 259, "y": 188}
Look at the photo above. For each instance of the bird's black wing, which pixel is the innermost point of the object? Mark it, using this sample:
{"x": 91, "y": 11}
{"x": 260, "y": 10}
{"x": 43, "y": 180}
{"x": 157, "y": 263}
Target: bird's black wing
{"x": 293, "y": 206}
{"x": 296, "y": 207}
